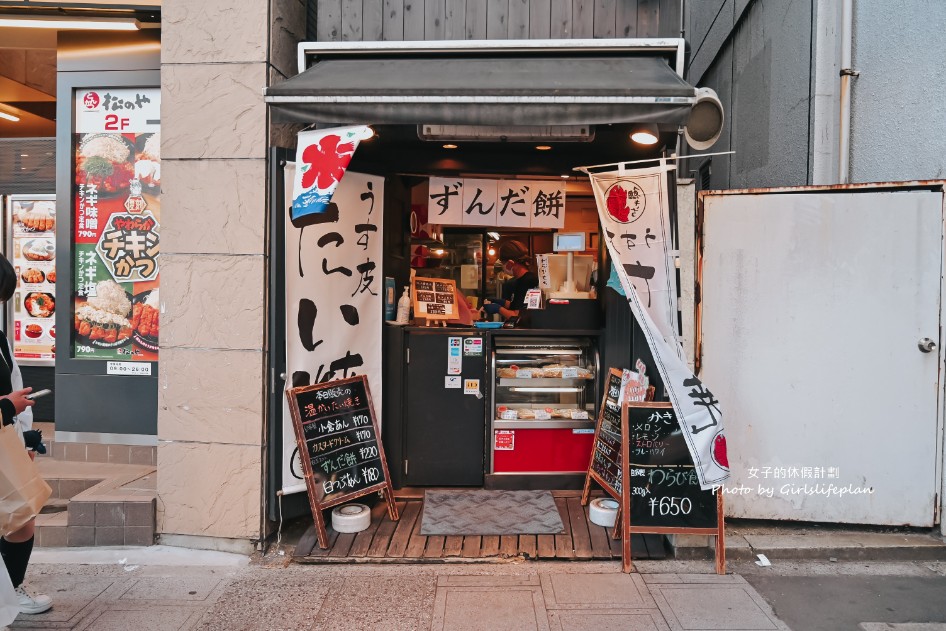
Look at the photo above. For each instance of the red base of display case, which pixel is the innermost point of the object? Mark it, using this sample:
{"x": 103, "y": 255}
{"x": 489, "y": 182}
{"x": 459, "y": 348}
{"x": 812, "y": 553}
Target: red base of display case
{"x": 542, "y": 450}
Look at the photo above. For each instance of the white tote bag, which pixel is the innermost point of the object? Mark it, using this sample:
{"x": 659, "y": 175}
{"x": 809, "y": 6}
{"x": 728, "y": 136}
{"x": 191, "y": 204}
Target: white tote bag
{"x": 9, "y": 601}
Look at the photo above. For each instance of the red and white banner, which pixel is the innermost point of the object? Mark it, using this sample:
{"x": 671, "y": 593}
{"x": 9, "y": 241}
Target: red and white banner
{"x": 321, "y": 158}
{"x": 334, "y": 291}
{"x": 634, "y": 208}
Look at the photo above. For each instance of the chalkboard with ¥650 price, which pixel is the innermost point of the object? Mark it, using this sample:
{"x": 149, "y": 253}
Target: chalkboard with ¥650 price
{"x": 336, "y": 429}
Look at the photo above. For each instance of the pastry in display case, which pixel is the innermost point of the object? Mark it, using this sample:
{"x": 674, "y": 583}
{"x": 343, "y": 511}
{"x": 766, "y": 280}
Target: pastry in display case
{"x": 544, "y": 403}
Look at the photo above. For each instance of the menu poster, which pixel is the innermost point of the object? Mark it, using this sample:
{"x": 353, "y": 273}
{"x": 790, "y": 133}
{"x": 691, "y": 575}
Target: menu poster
{"x": 33, "y": 235}
{"x": 117, "y": 211}
{"x": 434, "y": 298}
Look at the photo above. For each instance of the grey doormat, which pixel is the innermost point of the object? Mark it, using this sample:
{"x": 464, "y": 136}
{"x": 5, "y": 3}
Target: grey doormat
{"x": 483, "y": 512}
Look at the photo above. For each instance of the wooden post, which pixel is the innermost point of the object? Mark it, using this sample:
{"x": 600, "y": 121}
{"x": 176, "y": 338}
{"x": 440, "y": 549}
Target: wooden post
{"x": 721, "y": 534}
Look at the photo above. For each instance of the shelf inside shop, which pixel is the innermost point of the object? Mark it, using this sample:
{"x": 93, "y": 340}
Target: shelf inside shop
{"x": 543, "y": 424}
{"x": 543, "y": 381}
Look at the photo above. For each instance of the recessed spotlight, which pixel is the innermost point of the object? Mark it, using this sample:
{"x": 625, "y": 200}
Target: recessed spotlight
{"x": 565, "y": 177}
{"x": 24, "y": 155}
{"x": 9, "y": 117}
{"x": 449, "y": 146}
{"x": 543, "y": 147}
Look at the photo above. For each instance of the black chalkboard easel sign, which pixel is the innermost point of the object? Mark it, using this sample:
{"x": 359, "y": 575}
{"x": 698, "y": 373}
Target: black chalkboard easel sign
{"x": 642, "y": 443}
{"x": 336, "y": 428}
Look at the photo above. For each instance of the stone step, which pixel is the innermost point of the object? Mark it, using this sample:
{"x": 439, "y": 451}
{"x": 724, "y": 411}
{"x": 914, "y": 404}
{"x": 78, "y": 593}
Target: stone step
{"x": 97, "y": 504}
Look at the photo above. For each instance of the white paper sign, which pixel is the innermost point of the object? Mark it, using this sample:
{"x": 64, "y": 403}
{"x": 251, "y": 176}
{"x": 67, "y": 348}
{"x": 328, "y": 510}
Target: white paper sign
{"x": 570, "y": 372}
{"x": 445, "y": 201}
{"x": 453, "y": 382}
{"x": 471, "y": 386}
{"x": 512, "y": 199}
{"x": 139, "y": 369}
{"x": 479, "y": 202}
{"x": 547, "y": 204}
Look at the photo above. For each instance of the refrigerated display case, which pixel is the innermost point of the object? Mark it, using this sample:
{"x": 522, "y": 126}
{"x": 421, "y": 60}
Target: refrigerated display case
{"x": 544, "y": 398}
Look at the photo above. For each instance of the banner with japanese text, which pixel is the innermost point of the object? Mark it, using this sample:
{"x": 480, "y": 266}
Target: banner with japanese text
{"x": 496, "y": 203}
{"x": 116, "y": 223}
{"x": 634, "y": 209}
{"x": 334, "y": 299}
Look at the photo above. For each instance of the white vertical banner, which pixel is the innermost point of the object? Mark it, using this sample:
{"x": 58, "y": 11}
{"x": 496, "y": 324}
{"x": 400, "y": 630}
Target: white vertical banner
{"x": 547, "y": 204}
{"x": 334, "y": 298}
{"x": 479, "y": 202}
{"x": 445, "y": 201}
{"x": 633, "y": 207}
{"x": 513, "y": 199}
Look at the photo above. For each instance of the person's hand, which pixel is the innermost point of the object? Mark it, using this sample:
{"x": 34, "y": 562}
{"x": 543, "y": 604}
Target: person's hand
{"x": 492, "y": 308}
{"x": 19, "y": 400}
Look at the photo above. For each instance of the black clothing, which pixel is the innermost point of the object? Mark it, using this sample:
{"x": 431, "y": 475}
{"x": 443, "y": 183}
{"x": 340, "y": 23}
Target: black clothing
{"x": 6, "y": 381}
{"x": 520, "y": 286}
{"x": 16, "y": 556}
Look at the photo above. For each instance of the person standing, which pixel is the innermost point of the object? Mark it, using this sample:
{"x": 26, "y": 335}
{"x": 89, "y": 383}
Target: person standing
{"x": 515, "y": 257}
{"x": 16, "y": 547}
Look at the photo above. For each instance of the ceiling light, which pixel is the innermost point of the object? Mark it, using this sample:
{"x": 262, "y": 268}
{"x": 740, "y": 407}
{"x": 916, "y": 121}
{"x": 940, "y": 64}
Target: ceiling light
{"x": 449, "y": 146}
{"x": 24, "y": 155}
{"x": 493, "y": 235}
{"x": 543, "y": 147}
{"x": 491, "y": 251}
{"x": 645, "y": 134}
{"x": 100, "y": 24}
{"x": 564, "y": 177}
{"x": 10, "y": 117}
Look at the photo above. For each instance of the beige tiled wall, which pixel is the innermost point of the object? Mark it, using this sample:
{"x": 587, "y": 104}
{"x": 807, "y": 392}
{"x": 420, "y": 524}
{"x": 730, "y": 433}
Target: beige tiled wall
{"x": 215, "y": 139}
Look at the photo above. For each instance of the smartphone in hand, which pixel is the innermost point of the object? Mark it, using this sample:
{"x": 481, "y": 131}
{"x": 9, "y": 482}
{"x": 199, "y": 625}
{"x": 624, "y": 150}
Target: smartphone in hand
{"x": 32, "y": 396}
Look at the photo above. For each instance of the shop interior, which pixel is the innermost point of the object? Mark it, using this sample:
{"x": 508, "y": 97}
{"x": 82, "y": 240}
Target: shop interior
{"x": 541, "y": 374}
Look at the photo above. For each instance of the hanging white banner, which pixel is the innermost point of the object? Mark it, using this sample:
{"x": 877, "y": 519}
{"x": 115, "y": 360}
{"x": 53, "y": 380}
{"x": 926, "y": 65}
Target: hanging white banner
{"x": 334, "y": 293}
{"x": 634, "y": 210}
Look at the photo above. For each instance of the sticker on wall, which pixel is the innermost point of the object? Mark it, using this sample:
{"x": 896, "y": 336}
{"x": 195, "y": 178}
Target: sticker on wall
{"x": 472, "y": 346}
{"x": 505, "y": 440}
{"x": 453, "y": 382}
{"x": 471, "y": 386}
{"x": 454, "y": 365}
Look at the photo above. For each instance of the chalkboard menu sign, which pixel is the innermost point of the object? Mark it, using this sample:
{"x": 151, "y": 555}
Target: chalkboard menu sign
{"x": 606, "y": 460}
{"x": 337, "y": 431}
{"x": 435, "y": 298}
{"x": 665, "y": 490}
{"x": 640, "y": 458}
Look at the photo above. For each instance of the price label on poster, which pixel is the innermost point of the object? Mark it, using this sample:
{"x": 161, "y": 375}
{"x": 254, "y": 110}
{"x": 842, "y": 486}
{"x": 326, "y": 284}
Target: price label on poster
{"x": 117, "y": 212}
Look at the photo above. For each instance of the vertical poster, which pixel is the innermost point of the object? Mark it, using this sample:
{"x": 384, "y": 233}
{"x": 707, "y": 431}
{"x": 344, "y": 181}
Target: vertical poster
{"x": 33, "y": 253}
{"x": 117, "y": 149}
{"x": 334, "y": 298}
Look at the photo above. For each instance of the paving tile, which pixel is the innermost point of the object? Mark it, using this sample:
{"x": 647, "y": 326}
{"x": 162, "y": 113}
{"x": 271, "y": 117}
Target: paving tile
{"x": 81, "y": 513}
{"x": 669, "y": 579}
{"x": 141, "y": 455}
{"x": 109, "y": 514}
{"x": 73, "y": 598}
{"x": 70, "y": 488}
{"x": 487, "y": 581}
{"x": 796, "y": 542}
{"x": 151, "y": 619}
{"x": 54, "y": 486}
{"x": 139, "y": 514}
{"x": 702, "y": 607}
{"x": 109, "y": 536}
{"x": 74, "y": 451}
{"x": 489, "y": 609}
{"x": 53, "y": 536}
{"x": 96, "y": 453}
{"x": 139, "y": 535}
{"x": 584, "y": 590}
{"x": 82, "y": 536}
{"x": 902, "y": 626}
{"x": 191, "y": 589}
{"x": 614, "y": 620}
{"x": 119, "y": 454}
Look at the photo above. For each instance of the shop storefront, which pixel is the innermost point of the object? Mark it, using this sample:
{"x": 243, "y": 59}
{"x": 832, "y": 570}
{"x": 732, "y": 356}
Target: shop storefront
{"x": 468, "y": 182}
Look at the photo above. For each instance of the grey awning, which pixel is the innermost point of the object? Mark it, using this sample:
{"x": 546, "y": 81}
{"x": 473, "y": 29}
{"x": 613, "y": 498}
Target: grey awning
{"x": 534, "y": 90}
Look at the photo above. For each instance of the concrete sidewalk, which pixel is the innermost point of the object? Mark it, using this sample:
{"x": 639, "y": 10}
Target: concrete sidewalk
{"x": 117, "y": 591}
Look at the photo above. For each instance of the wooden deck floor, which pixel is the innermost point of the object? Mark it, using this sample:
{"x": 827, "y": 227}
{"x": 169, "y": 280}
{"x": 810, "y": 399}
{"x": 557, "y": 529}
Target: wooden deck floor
{"x": 393, "y": 541}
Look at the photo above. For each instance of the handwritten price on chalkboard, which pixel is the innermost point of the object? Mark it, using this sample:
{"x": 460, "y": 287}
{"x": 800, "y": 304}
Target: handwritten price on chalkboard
{"x": 671, "y": 506}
